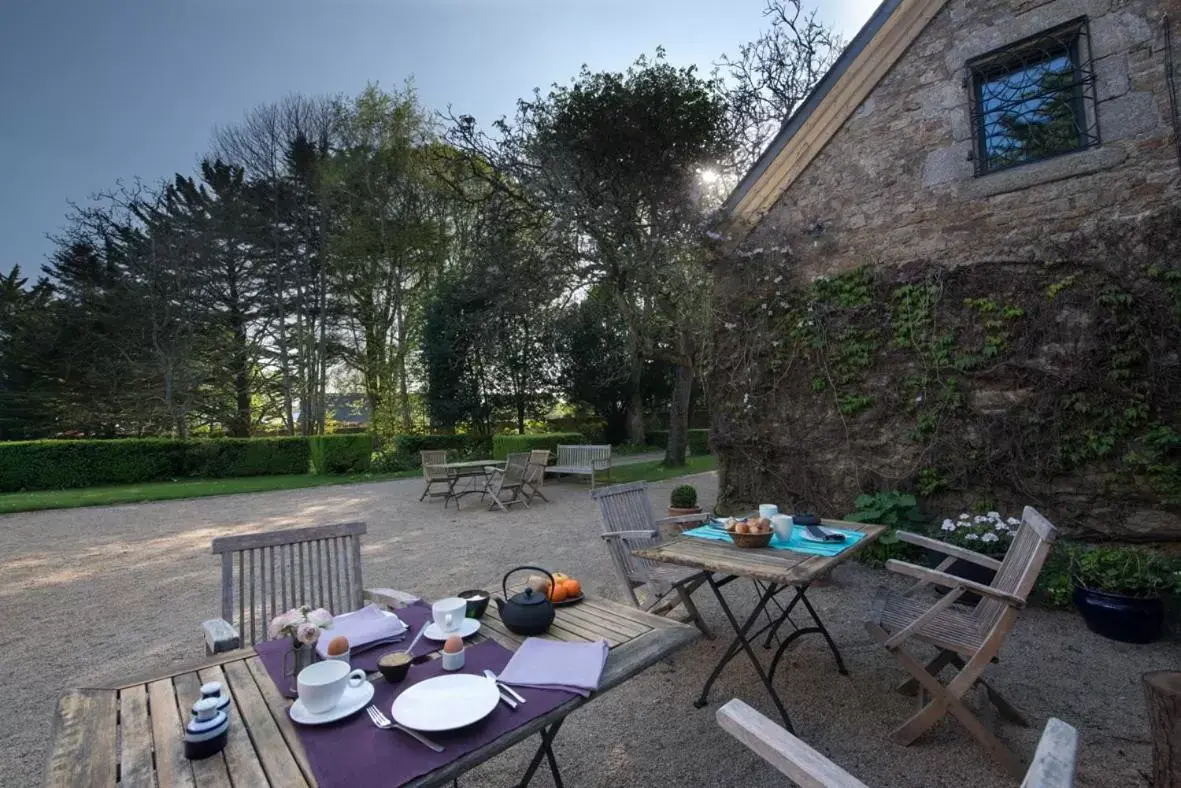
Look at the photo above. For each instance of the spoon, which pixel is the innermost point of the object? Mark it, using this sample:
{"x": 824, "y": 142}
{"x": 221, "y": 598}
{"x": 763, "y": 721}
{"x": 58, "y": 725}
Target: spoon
{"x": 413, "y": 643}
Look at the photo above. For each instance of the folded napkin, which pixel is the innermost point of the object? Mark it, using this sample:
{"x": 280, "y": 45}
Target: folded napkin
{"x": 364, "y": 628}
{"x": 550, "y": 664}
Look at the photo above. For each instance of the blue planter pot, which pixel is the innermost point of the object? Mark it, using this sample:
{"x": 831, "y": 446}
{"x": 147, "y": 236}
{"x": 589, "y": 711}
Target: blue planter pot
{"x": 1127, "y": 619}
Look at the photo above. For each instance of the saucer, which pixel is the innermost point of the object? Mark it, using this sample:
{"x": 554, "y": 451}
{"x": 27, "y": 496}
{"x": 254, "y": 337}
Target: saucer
{"x": 352, "y": 701}
{"x": 469, "y": 627}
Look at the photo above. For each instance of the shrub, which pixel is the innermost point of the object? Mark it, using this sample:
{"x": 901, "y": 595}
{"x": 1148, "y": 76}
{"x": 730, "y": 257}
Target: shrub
{"x": 227, "y": 457}
{"x": 683, "y": 497}
{"x": 698, "y": 441}
{"x": 408, "y": 446}
{"x": 341, "y": 453}
{"x": 1132, "y": 571}
{"x": 504, "y": 445}
{"x": 656, "y": 438}
{"x": 895, "y": 510}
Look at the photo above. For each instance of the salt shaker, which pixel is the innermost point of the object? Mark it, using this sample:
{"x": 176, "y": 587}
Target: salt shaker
{"x": 213, "y": 689}
{"x": 207, "y": 730}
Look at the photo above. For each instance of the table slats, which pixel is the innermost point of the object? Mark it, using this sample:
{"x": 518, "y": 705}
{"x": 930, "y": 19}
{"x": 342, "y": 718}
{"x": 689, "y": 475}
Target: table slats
{"x": 277, "y": 760}
{"x": 211, "y": 771}
{"x": 135, "y": 758}
{"x": 84, "y": 739}
{"x": 278, "y": 706}
{"x": 241, "y": 759}
{"x": 172, "y": 768}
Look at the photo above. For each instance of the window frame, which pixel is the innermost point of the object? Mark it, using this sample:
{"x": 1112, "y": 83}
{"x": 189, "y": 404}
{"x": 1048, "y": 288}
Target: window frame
{"x": 1074, "y": 37}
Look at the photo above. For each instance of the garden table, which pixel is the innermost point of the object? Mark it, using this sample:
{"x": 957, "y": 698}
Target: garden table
{"x": 474, "y": 470}
{"x": 131, "y": 733}
{"x": 780, "y": 570}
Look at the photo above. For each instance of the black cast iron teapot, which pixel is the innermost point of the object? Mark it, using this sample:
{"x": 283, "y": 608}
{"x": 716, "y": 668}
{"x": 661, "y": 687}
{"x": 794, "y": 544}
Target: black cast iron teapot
{"x": 529, "y": 612}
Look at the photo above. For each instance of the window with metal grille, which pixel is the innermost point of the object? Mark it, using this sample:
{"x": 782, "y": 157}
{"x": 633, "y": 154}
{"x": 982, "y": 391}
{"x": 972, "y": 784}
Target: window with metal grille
{"x": 1034, "y": 99}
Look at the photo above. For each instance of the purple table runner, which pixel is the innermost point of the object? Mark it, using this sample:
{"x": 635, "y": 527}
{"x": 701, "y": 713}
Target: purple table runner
{"x": 356, "y": 753}
{"x": 415, "y": 616}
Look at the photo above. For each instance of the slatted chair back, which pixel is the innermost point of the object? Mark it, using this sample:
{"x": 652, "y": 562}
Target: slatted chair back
{"x": 430, "y": 459}
{"x": 625, "y": 507}
{"x": 1021, "y": 566}
{"x": 538, "y": 459}
{"x": 586, "y": 456}
{"x": 515, "y": 466}
{"x": 265, "y": 574}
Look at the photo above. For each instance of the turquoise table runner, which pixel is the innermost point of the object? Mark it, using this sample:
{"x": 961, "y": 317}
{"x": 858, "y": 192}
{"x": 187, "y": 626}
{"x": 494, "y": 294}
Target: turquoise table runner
{"x": 797, "y": 543}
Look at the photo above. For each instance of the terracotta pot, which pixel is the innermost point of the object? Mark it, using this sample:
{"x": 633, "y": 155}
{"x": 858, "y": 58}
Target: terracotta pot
{"x": 669, "y": 530}
{"x": 674, "y": 512}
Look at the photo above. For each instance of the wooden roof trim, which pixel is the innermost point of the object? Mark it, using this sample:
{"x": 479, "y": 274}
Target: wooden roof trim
{"x": 854, "y": 86}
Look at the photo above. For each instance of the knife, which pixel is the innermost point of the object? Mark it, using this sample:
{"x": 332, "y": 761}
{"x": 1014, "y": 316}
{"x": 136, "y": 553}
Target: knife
{"x": 504, "y": 687}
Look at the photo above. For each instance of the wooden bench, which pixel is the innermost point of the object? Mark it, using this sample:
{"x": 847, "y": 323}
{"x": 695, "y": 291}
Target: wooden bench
{"x": 582, "y": 461}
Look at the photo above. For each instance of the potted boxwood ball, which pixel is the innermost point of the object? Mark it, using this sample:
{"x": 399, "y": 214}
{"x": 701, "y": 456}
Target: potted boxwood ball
{"x": 1119, "y": 591}
{"x": 683, "y": 501}
{"x": 989, "y": 534}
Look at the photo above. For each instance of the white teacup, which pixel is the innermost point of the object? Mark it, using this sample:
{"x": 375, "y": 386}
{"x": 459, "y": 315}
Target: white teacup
{"x": 449, "y": 613}
{"x": 768, "y": 510}
{"x": 323, "y": 683}
{"x": 781, "y": 525}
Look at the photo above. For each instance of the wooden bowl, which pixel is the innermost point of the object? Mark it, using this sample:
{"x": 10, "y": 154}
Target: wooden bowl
{"x": 751, "y": 540}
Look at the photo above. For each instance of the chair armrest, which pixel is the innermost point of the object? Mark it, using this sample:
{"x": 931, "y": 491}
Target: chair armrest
{"x": 220, "y": 635}
{"x": 389, "y": 597}
{"x": 685, "y": 518}
{"x": 787, "y": 753}
{"x": 601, "y": 464}
{"x": 651, "y": 533}
{"x": 952, "y": 581}
{"x": 1053, "y": 763}
{"x": 948, "y": 549}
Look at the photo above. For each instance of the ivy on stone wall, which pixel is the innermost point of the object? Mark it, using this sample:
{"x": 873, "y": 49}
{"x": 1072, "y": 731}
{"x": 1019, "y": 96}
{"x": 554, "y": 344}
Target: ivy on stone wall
{"x": 1054, "y": 381}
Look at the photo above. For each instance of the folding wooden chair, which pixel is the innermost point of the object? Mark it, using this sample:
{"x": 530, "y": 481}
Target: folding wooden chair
{"x": 627, "y": 516}
{"x": 966, "y": 640}
{"x": 1052, "y": 767}
{"x": 535, "y": 475}
{"x": 433, "y": 474}
{"x": 509, "y": 480}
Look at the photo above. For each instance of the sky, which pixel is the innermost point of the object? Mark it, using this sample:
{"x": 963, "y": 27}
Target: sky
{"x": 94, "y": 91}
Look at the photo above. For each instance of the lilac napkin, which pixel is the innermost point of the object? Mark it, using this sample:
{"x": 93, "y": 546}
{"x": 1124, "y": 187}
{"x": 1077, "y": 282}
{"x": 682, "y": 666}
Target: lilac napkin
{"x": 550, "y": 664}
{"x": 368, "y": 626}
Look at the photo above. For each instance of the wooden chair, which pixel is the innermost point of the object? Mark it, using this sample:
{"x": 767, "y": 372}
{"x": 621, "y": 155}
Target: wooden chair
{"x": 1052, "y": 767}
{"x": 433, "y": 474}
{"x": 274, "y": 571}
{"x": 966, "y": 640}
{"x": 629, "y": 524}
{"x": 510, "y": 479}
{"x": 535, "y": 475}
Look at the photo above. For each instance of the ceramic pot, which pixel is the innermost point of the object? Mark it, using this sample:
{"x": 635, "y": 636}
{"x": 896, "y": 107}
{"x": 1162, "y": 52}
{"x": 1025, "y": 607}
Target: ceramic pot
{"x": 1128, "y": 619}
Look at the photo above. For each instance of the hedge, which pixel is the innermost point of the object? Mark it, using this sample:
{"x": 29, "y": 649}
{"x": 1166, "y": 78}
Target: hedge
{"x": 410, "y": 445}
{"x": 698, "y": 441}
{"x": 58, "y": 464}
{"x": 341, "y": 453}
{"x": 503, "y": 445}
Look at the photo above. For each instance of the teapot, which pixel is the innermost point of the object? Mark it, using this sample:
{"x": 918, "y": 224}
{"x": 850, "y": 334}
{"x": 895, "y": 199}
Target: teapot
{"x": 529, "y": 612}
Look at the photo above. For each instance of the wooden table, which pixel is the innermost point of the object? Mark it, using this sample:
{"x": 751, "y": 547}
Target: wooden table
{"x": 465, "y": 469}
{"x": 773, "y": 571}
{"x": 131, "y": 733}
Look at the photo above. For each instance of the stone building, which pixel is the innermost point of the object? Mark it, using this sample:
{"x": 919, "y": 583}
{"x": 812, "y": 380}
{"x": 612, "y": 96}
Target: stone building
{"x": 910, "y": 147}
{"x": 957, "y": 147}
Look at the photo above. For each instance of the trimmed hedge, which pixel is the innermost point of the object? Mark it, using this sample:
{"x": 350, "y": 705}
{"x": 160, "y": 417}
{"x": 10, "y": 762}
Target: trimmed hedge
{"x": 503, "y": 445}
{"x": 341, "y": 453}
{"x": 698, "y": 441}
{"x": 62, "y": 464}
{"x": 410, "y": 445}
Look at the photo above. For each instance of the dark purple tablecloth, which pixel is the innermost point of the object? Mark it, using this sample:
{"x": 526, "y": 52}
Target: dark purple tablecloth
{"x": 415, "y": 616}
{"x": 356, "y": 753}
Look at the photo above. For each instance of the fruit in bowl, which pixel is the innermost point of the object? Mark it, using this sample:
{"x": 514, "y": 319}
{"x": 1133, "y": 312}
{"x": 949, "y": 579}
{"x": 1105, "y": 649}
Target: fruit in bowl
{"x": 564, "y": 588}
{"x": 750, "y": 532}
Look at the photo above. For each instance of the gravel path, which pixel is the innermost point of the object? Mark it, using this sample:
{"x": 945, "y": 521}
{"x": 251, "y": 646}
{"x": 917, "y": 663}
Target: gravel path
{"x": 94, "y": 594}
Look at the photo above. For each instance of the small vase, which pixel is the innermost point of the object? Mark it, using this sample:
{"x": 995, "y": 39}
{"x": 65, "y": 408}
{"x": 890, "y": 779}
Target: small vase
{"x": 295, "y": 660}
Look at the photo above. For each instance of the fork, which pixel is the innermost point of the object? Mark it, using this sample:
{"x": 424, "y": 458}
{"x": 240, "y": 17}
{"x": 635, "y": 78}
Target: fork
{"x": 384, "y": 722}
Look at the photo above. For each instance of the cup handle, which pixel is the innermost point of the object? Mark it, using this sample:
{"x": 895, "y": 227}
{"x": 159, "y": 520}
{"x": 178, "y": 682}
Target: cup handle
{"x": 447, "y": 620}
{"x": 357, "y": 678}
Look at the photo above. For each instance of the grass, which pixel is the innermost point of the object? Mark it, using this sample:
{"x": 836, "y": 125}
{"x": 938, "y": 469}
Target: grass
{"x": 166, "y": 491}
{"x": 10, "y": 503}
{"x": 655, "y": 471}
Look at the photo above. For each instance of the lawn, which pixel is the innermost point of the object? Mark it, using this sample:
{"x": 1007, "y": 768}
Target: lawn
{"x": 199, "y": 488}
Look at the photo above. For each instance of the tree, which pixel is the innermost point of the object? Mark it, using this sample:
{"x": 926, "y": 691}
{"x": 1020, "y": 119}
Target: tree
{"x": 26, "y": 391}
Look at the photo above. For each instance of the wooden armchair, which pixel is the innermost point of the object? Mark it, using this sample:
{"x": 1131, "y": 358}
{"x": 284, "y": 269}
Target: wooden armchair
{"x": 535, "y": 475}
{"x": 968, "y": 641}
{"x": 432, "y": 473}
{"x": 510, "y": 479}
{"x": 629, "y": 525}
{"x": 1052, "y": 767}
{"x": 275, "y": 571}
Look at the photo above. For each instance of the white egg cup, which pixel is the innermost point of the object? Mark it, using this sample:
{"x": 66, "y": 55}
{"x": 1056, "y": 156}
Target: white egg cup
{"x": 453, "y": 661}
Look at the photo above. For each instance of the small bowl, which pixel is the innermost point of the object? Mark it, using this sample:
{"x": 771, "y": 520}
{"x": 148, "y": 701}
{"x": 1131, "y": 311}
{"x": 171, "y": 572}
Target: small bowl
{"x": 751, "y": 540}
{"x": 475, "y": 607}
{"x": 394, "y": 673}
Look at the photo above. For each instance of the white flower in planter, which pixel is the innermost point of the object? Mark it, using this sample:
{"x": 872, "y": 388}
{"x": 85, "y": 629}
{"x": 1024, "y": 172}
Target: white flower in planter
{"x": 948, "y": 525}
{"x": 1013, "y": 521}
{"x": 972, "y": 537}
{"x": 989, "y": 538}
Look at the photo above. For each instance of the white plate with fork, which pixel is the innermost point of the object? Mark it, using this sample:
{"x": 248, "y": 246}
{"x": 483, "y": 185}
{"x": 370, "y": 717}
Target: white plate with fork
{"x": 352, "y": 701}
{"x": 445, "y": 703}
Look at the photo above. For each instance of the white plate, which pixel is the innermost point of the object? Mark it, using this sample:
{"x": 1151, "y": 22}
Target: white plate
{"x": 352, "y": 701}
{"x": 469, "y": 627}
{"x": 445, "y": 703}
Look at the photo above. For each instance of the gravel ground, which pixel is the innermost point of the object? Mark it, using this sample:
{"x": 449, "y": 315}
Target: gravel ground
{"x": 90, "y": 595}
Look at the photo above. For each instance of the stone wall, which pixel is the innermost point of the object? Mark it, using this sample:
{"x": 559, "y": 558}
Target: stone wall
{"x": 896, "y": 183}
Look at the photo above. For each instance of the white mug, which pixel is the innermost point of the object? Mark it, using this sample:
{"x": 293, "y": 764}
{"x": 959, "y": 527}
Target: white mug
{"x": 449, "y": 613}
{"x": 781, "y": 525}
{"x": 768, "y": 510}
{"x": 321, "y": 684}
